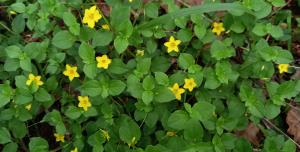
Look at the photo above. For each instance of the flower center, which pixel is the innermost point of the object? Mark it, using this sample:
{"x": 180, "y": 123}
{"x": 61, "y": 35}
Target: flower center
{"x": 91, "y": 16}
{"x": 172, "y": 44}
{"x": 72, "y": 72}
{"x": 103, "y": 61}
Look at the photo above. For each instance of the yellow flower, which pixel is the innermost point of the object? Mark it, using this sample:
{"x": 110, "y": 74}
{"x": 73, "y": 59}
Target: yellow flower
{"x": 105, "y": 134}
{"x": 12, "y": 12}
{"x": 91, "y": 16}
{"x": 189, "y": 84}
{"x": 74, "y": 150}
{"x": 130, "y": 1}
{"x": 105, "y": 26}
{"x": 177, "y": 91}
{"x": 71, "y": 72}
{"x": 140, "y": 52}
{"x": 84, "y": 102}
{"x": 218, "y": 28}
{"x": 171, "y": 133}
{"x": 172, "y": 44}
{"x": 283, "y": 68}
{"x": 35, "y": 79}
{"x": 103, "y": 61}
{"x": 28, "y": 107}
{"x": 59, "y": 137}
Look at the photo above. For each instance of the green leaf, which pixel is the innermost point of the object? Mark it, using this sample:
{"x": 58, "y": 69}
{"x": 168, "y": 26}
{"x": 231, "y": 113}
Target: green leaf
{"x": 18, "y": 128}
{"x": 73, "y": 112}
{"x": 11, "y": 64}
{"x": 275, "y": 31}
{"x": 161, "y": 78}
{"x": 118, "y": 67}
{"x": 178, "y": 120}
{"x": 25, "y": 64}
{"x": 185, "y": 60}
{"x": 102, "y": 38}
{"x": 91, "y": 88}
{"x": 243, "y": 145}
{"x": 86, "y": 53}
{"x": 42, "y": 95}
{"x": 237, "y": 27}
{"x": 116, "y": 87}
{"x": 278, "y": 3}
{"x": 163, "y": 94}
{"x": 143, "y": 65}
{"x": 96, "y": 139}
{"x": 185, "y": 35}
{"x": 219, "y": 50}
{"x": 71, "y": 22}
{"x": 193, "y": 131}
{"x": 38, "y": 144}
{"x": 147, "y": 97}
{"x": 5, "y": 94}
{"x": 63, "y": 40}
{"x": 13, "y": 51}
{"x": 200, "y": 31}
{"x": 212, "y": 81}
{"x": 151, "y": 10}
{"x": 11, "y": 147}
{"x": 90, "y": 70}
{"x": 23, "y": 96}
{"x": 151, "y": 46}
{"x": 120, "y": 44}
{"x": 223, "y": 71}
{"x": 289, "y": 146}
{"x": 129, "y": 130}
{"x": 134, "y": 87}
{"x": 203, "y": 111}
{"x": 54, "y": 118}
{"x": 18, "y": 7}
{"x": 148, "y": 83}
{"x": 18, "y": 24}
{"x": 259, "y": 29}
{"x": 4, "y": 136}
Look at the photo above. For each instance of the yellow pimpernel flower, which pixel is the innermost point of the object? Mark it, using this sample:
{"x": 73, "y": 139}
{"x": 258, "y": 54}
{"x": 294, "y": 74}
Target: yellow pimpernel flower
{"x": 103, "y": 61}
{"x": 172, "y": 45}
{"x": 59, "y": 137}
{"x": 84, "y": 102}
{"x": 91, "y": 16}
{"x": 171, "y": 133}
{"x": 35, "y": 79}
{"x": 283, "y": 68}
{"x": 189, "y": 84}
{"x": 105, "y": 134}
{"x": 105, "y": 26}
{"x": 177, "y": 91}
{"x": 74, "y": 150}
{"x": 28, "y": 107}
{"x": 12, "y": 12}
{"x": 218, "y": 28}
{"x": 140, "y": 52}
{"x": 71, "y": 72}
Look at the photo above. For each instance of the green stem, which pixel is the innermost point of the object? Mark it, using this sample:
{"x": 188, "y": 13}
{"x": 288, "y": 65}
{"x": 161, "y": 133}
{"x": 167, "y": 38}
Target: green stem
{"x": 8, "y": 29}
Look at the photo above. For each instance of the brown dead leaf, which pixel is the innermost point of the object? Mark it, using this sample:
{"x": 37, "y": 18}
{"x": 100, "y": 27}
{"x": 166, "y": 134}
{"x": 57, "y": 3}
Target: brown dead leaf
{"x": 105, "y": 9}
{"x": 293, "y": 121}
{"x": 251, "y": 133}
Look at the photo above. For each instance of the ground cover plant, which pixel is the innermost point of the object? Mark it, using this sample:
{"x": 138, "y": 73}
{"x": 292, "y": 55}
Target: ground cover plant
{"x": 149, "y": 75}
